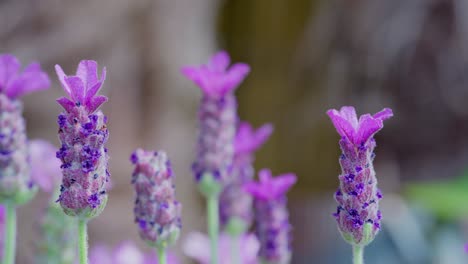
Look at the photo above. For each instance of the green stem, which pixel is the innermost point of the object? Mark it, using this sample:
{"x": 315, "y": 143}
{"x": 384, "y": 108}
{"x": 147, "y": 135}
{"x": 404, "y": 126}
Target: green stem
{"x": 213, "y": 225}
{"x": 10, "y": 234}
{"x": 358, "y": 255}
{"x": 83, "y": 241}
{"x": 162, "y": 258}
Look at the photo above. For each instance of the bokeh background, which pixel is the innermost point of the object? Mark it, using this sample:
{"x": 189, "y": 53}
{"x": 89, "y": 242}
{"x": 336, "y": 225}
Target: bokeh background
{"x": 306, "y": 56}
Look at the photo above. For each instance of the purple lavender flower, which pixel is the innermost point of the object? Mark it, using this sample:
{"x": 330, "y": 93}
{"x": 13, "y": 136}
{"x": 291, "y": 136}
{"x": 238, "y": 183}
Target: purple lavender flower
{"x": 217, "y": 114}
{"x": 45, "y": 166}
{"x": 358, "y": 213}
{"x": 83, "y": 133}
{"x": 272, "y": 217}
{"x": 235, "y": 203}
{"x": 157, "y": 212}
{"x": 197, "y": 246}
{"x": 15, "y": 178}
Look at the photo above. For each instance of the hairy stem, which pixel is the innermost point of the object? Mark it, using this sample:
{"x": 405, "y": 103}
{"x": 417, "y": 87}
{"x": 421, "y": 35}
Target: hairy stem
{"x": 10, "y": 234}
{"x": 213, "y": 225}
{"x": 358, "y": 255}
{"x": 162, "y": 258}
{"x": 83, "y": 241}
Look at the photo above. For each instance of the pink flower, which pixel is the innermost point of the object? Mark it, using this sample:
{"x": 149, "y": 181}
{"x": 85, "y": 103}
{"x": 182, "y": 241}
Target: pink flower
{"x": 197, "y": 246}
{"x": 45, "y": 166}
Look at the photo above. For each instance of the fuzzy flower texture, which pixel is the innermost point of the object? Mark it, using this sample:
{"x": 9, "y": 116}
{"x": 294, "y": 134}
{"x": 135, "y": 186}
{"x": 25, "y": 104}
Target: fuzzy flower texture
{"x": 15, "y": 180}
{"x": 272, "y": 216}
{"x": 358, "y": 213}
{"x": 157, "y": 212}
{"x": 217, "y": 114}
{"x": 83, "y": 133}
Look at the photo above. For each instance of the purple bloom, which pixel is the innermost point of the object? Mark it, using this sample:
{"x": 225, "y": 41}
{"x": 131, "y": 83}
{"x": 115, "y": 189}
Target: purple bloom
{"x": 217, "y": 114}
{"x": 83, "y": 133}
{"x": 45, "y": 166}
{"x": 156, "y": 210}
{"x": 272, "y": 216}
{"x": 125, "y": 253}
{"x": 14, "y": 84}
{"x": 235, "y": 203}
{"x": 197, "y": 246}
{"x": 15, "y": 178}
{"x": 358, "y": 196}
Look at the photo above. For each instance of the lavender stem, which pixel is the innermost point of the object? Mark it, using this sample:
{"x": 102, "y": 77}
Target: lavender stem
{"x": 10, "y": 234}
{"x": 358, "y": 254}
{"x": 213, "y": 225}
{"x": 83, "y": 241}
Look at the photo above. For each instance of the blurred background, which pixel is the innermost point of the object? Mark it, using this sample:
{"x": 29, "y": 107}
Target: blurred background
{"x": 306, "y": 56}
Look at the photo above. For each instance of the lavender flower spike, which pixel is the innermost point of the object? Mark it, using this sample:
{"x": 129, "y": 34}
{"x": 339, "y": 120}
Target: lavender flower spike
{"x": 272, "y": 217}
{"x": 358, "y": 213}
{"x": 83, "y": 133}
{"x": 157, "y": 212}
{"x": 15, "y": 179}
{"x": 217, "y": 114}
{"x": 235, "y": 204}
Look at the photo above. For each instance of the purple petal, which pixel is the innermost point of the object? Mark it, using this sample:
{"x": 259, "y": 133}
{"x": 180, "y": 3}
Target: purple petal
{"x": 95, "y": 103}
{"x": 386, "y": 113}
{"x": 247, "y": 140}
{"x": 9, "y": 67}
{"x": 282, "y": 183}
{"x": 349, "y": 113}
{"x": 368, "y": 126}
{"x": 66, "y": 103}
{"x": 219, "y": 62}
{"x": 270, "y": 188}
{"x": 61, "y": 75}
{"x": 28, "y": 82}
{"x": 342, "y": 125}
{"x": 77, "y": 88}
{"x": 234, "y": 76}
{"x": 92, "y": 92}
{"x": 87, "y": 72}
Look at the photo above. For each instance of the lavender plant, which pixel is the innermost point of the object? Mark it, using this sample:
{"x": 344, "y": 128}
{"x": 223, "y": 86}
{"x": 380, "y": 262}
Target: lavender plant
{"x": 217, "y": 117}
{"x": 358, "y": 215}
{"x": 157, "y": 212}
{"x": 83, "y": 133}
{"x": 272, "y": 216}
{"x": 16, "y": 185}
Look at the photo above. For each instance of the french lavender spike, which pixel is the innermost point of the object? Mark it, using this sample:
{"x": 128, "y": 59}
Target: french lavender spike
{"x": 272, "y": 216}
{"x": 16, "y": 185}
{"x": 157, "y": 212}
{"x": 217, "y": 116}
{"x": 236, "y": 211}
{"x": 358, "y": 215}
{"x": 83, "y": 133}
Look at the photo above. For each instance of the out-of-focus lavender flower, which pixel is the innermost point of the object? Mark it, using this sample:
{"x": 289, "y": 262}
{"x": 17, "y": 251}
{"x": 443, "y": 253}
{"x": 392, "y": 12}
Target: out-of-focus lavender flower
{"x": 197, "y": 246}
{"x": 358, "y": 213}
{"x": 125, "y": 253}
{"x": 235, "y": 203}
{"x": 45, "y": 166}
{"x": 83, "y": 133}
{"x": 217, "y": 114}
{"x": 157, "y": 212}
{"x": 272, "y": 216}
{"x": 15, "y": 178}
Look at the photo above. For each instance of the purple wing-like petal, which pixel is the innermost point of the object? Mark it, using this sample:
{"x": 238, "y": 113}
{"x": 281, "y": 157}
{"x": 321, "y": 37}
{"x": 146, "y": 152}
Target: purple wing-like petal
{"x": 368, "y": 126}
{"x": 32, "y": 79}
{"x": 87, "y": 72}
{"x": 77, "y": 88}
{"x": 219, "y": 62}
{"x": 386, "y": 113}
{"x": 247, "y": 140}
{"x": 66, "y": 103}
{"x": 9, "y": 67}
{"x": 282, "y": 183}
{"x": 61, "y": 75}
{"x": 349, "y": 113}
{"x": 92, "y": 92}
{"x": 96, "y": 102}
{"x": 234, "y": 76}
{"x": 342, "y": 125}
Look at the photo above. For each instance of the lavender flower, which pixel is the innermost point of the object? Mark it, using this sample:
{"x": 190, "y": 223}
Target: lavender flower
{"x": 83, "y": 133}
{"x": 358, "y": 213}
{"x": 125, "y": 253}
{"x": 157, "y": 212}
{"x": 45, "y": 166}
{"x": 217, "y": 114}
{"x": 235, "y": 203}
{"x": 15, "y": 178}
{"x": 197, "y": 246}
{"x": 272, "y": 217}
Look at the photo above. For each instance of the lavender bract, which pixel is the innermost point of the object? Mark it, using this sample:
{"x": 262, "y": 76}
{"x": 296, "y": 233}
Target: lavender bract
{"x": 358, "y": 213}
{"x": 157, "y": 212}
{"x": 15, "y": 179}
{"x": 83, "y": 133}
{"x": 235, "y": 204}
{"x": 272, "y": 216}
{"x": 217, "y": 114}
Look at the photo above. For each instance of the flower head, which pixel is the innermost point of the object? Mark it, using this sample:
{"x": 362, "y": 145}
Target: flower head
{"x": 248, "y": 140}
{"x": 197, "y": 246}
{"x": 82, "y": 87}
{"x": 214, "y": 78}
{"x": 157, "y": 212}
{"x": 15, "y": 84}
{"x": 358, "y": 215}
{"x": 45, "y": 166}
{"x": 358, "y": 131}
{"x": 269, "y": 188}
